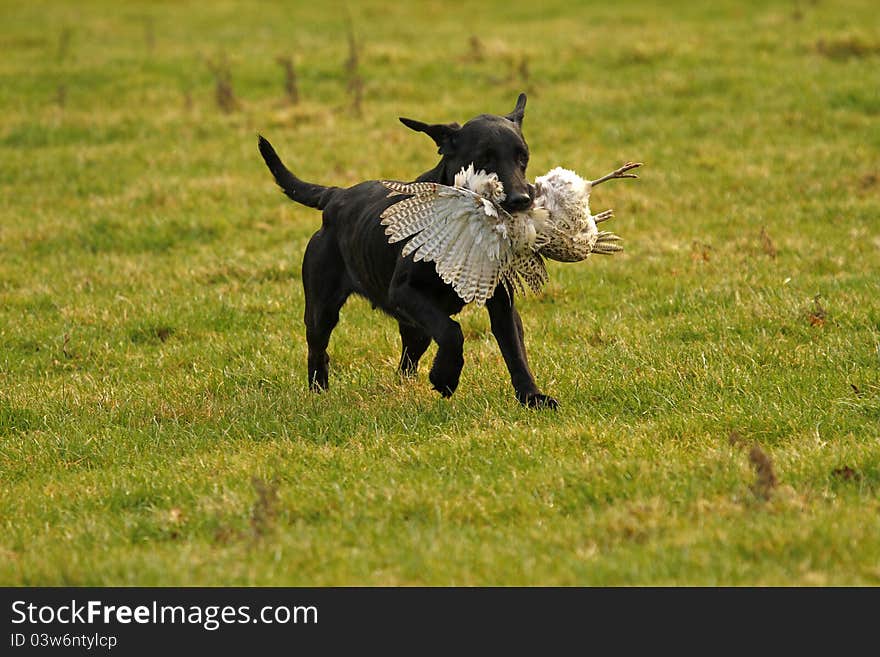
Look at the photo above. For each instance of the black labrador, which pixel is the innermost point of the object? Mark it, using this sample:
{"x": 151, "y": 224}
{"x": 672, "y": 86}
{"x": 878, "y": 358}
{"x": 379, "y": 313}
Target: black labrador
{"x": 350, "y": 253}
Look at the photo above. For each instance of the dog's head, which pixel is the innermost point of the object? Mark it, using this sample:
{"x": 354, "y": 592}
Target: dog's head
{"x": 491, "y": 142}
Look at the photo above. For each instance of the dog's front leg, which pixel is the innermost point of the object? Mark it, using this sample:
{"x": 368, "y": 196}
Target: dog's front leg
{"x": 419, "y": 309}
{"x": 508, "y": 331}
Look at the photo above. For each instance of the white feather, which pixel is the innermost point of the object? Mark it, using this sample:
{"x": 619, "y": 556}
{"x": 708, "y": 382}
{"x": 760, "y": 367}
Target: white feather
{"x": 475, "y": 245}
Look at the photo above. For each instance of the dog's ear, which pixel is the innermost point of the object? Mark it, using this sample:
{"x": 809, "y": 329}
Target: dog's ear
{"x": 519, "y": 111}
{"x": 443, "y": 134}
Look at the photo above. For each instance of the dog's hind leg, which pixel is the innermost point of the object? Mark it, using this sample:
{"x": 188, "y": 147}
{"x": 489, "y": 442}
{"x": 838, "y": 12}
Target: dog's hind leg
{"x": 326, "y": 289}
{"x": 508, "y": 331}
{"x": 414, "y": 344}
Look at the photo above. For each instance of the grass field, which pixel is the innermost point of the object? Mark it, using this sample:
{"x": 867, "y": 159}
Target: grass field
{"x": 719, "y": 381}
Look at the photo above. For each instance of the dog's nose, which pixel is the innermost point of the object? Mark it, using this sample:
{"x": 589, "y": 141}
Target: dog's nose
{"x": 519, "y": 202}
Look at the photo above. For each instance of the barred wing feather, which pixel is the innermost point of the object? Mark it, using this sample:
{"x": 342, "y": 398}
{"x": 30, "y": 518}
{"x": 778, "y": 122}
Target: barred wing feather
{"x": 526, "y": 268}
{"x": 457, "y": 229}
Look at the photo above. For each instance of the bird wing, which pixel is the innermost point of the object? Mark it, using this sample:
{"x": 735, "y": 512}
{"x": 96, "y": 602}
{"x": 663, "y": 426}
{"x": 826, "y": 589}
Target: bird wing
{"x": 465, "y": 235}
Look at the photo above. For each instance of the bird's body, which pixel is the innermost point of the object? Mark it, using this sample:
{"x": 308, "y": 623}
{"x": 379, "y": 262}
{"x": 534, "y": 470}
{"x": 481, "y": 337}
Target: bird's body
{"x": 476, "y": 245}
{"x": 562, "y": 213}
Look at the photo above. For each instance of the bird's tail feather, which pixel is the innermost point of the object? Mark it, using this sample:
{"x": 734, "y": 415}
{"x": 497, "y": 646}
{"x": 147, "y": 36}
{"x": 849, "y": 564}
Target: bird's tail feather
{"x": 607, "y": 243}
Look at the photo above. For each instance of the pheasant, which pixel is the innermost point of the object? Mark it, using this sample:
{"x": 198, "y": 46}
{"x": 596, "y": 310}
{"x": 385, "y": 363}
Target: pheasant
{"x": 475, "y": 244}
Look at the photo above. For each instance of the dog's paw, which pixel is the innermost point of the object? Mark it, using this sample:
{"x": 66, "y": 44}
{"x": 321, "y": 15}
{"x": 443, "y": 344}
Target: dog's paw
{"x": 444, "y": 387}
{"x": 315, "y": 386}
{"x": 445, "y": 392}
{"x": 408, "y": 370}
{"x": 539, "y": 401}
{"x": 318, "y": 382}
{"x": 444, "y": 377}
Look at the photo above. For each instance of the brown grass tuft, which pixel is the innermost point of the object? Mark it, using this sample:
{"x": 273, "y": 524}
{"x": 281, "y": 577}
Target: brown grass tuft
{"x": 846, "y": 47}
{"x": 817, "y": 315}
{"x": 477, "y": 52}
{"x": 700, "y": 252}
{"x": 187, "y": 98}
{"x": 765, "y": 477}
{"x": 64, "y": 40}
{"x": 61, "y": 95}
{"x": 265, "y": 507}
{"x": 523, "y": 70}
{"x": 355, "y": 81}
{"x": 223, "y": 93}
{"x": 150, "y": 33}
{"x": 291, "y": 88}
{"x": 767, "y": 244}
{"x": 846, "y": 473}
{"x": 869, "y": 180}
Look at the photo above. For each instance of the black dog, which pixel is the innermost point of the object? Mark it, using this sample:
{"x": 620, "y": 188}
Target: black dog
{"x": 351, "y": 254}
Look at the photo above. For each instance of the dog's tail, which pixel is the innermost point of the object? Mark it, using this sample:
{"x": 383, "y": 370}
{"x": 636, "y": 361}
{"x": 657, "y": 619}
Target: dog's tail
{"x": 314, "y": 196}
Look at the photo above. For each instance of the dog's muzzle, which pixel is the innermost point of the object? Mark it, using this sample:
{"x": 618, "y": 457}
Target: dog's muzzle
{"x": 518, "y": 202}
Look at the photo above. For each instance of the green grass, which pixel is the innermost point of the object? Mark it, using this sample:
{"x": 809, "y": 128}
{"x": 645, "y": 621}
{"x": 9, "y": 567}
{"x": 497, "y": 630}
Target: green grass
{"x": 154, "y": 422}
